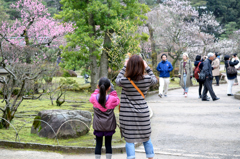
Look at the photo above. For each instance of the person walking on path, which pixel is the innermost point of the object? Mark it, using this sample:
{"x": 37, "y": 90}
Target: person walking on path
{"x": 199, "y": 64}
{"x": 231, "y": 77}
{"x": 134, "y": 116}
{"x": 207, "y": 69}
{"x": 164, "y": 67}
{"x": 185, "y": 74}
{"x": 216, "y": 68}
{"x": 104, "y": 121}
{"x": 234, "y": 57}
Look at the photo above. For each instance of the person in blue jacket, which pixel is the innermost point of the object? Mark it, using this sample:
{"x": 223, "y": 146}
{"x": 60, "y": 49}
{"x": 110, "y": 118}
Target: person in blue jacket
{"x": 164, "y": 67}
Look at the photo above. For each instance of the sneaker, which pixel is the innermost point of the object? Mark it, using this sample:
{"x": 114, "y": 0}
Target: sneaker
{"x": 200, "y": 97}
{"x": 186, "y": 95}
{"x": 165, "y": 95}
{"x": 160, "y": 95}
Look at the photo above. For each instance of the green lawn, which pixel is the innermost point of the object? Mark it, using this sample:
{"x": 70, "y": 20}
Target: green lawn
{"x": 30, "y": 108}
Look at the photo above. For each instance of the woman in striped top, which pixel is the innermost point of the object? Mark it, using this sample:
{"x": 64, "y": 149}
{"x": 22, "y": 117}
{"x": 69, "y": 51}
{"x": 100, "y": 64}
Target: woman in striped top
{"x": 134, "y": 112}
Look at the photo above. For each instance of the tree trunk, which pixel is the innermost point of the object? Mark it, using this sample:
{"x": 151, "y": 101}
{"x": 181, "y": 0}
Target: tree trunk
{"x": 153, "y": 48}
{"x": 175, "y": 59}
{"x": 104, "y": 56}
{"x": 93, "y": 58}
{"x": 7, "y": 114}
{"x": 94, "y": 74}
{"x": 28, "y": 55}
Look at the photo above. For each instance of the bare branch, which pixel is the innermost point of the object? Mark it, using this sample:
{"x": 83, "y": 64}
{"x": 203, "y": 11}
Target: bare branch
{"x": 10, "y": 72}
{"x": 2, "y": 110}
{"x": 35, "y": 77}
{"x": 8, "y": 41}
{"x": 33, "y": 97}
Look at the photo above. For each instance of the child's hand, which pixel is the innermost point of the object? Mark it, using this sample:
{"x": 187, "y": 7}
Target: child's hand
{"x": 112, "y": 88}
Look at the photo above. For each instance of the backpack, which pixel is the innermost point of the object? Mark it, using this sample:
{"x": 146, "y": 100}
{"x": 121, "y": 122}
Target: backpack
{"x": 231, "y": 70}
{"x": 202, "y": 76}
{"x": 197, "y": 71}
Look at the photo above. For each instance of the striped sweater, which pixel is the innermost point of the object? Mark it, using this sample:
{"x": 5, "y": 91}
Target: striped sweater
{"x": 134, "y": 113}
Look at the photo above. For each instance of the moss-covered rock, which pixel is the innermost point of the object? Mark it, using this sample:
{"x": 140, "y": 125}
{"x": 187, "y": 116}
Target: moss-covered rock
{"x": 65, "y": 123}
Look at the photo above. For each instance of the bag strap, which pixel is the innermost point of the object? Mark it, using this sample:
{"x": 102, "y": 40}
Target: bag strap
{"x": 199, "y": 63}
{"x": 136, "y": 88}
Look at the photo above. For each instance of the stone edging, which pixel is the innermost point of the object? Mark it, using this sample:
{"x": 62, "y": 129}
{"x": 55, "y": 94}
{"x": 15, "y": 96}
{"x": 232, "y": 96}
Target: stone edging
{"x": 237, "y": 96}
{"x": 64, "y": 149}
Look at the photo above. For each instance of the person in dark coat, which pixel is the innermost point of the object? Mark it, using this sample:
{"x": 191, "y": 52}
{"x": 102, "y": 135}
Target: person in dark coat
{"x": 197, "y": 61}
{"x": 231, "y": 78}
{"x": 207, "y": 69}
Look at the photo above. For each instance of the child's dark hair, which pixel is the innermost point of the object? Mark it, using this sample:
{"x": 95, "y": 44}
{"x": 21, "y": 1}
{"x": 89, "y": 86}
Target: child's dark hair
{"x": 103, "y": 84}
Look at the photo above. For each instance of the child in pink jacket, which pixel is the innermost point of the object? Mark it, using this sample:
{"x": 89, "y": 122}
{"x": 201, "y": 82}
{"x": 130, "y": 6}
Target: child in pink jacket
{"x": 104, "y": 121}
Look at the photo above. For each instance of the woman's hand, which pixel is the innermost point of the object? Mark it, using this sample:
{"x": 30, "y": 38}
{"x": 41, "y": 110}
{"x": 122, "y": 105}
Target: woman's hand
{"x": 145, "y": 64}
{"x": 126, "y": 63}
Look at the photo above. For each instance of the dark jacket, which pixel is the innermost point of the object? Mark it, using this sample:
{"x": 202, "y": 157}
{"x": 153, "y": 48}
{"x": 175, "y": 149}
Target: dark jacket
{"x": 164, "y": 67}
{"x": 207, "y": 68}
{"x": 231, "y": 64}
{"x": 200, "y": 66}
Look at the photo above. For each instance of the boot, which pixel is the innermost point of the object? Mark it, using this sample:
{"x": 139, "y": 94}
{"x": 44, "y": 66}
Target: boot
{"x": 97, "y": 156}
{"x": 108, "y": 156}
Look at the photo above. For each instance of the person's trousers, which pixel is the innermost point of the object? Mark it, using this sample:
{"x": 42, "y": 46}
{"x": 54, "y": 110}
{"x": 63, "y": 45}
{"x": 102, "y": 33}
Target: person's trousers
{"x": 230, "y": 84}
{"x": 217, "y": 79}
{"x": 200, "y": 88}
{"x": 236, "y": 80}
{"x": 108, "y": 145}
{"x": 148, "y": 146}
{"x": 185, "y": 83}
{"x": 208, "y": 87}
{"x": 163, "y": 85}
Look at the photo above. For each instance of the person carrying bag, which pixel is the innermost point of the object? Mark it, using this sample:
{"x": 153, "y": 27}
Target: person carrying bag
{"x": 134, "y": 115}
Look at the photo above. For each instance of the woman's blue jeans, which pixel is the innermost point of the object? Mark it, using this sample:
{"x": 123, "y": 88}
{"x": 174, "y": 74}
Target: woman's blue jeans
{"x": 185, "y": 81}
{"x": 130, "y": 149}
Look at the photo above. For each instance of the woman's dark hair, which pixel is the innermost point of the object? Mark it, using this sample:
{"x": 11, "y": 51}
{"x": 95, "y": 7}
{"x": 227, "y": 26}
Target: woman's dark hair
{"x": 235, "y": 54}
{"x": 198, "y": 58}
{"x": 135, "y": 68}
{"x": 163, "y": 55}
{"x": 103, "y": 84}
{"x": 216, "y": 54}
{"x": 226, "y": 57}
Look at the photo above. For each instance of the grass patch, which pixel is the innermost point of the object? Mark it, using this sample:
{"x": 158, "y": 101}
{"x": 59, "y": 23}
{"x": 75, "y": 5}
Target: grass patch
{"x": 30, "y": 108}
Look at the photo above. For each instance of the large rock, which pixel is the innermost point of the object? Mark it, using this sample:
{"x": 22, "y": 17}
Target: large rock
{"x": 56, "y": 118}
{"x": 72, "y": 73}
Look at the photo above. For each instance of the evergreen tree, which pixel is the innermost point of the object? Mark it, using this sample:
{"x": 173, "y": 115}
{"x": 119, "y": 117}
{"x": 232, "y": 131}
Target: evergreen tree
{"x": 97, "y": 22}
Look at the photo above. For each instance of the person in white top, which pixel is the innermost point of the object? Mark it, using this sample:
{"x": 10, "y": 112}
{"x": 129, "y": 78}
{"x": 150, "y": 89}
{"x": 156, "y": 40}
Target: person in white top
{"x": 236, "y": 66}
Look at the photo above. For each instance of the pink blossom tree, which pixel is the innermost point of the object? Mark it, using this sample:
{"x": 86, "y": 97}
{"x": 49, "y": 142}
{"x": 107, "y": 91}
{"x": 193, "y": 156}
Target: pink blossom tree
{"x": 22, "y": 46}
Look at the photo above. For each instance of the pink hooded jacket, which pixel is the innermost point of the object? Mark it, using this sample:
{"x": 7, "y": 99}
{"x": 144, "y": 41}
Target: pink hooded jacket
{"x": 111, "y": 103}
